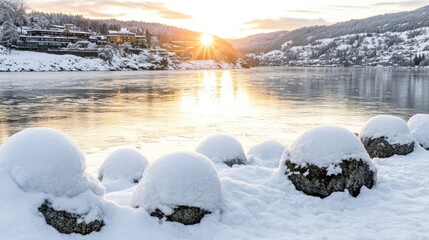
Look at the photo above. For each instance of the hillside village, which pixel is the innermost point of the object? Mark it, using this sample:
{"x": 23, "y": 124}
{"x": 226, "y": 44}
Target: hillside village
{"x": 396, "y": 39}
{"x": 397, "y": 49}
{"x": 26, "y": 37}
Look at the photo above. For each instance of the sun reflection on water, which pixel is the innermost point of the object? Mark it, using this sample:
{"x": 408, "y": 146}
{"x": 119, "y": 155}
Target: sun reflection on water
{"x": 218, "y": 98}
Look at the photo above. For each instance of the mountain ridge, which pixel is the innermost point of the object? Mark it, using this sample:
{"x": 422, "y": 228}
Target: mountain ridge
{"x": 393, "y": 22}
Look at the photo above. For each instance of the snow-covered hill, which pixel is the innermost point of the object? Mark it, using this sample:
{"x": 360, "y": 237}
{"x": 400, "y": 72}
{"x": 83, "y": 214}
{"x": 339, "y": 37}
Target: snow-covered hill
{"x": 393, "y": 22}
{"x": 407, "y": 48}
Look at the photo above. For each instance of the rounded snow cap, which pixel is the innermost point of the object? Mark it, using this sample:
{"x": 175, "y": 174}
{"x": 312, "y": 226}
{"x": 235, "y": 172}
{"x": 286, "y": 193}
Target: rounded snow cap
{"x": 45, "y": 160}
{"x": 326, "y": 145}
{"x": 123, "y": 164}
{"x": 267, "y": 153}
{"x": 419, "y": 127}
{"x": 179, "y": 179}
{"x": 222, "y": 149}
{"x": 393, "y": 129}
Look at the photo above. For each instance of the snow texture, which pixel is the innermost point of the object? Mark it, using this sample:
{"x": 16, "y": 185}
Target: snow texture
{"x": 179, "y": 179}
{"x": 221, "y": 148}
{"x": 266, "y": 154}
{"x": 45, "y": 160}
{"x": 326, "y": 145}
{"x": 419, "y": 127}
{"x": 394, "y": 129}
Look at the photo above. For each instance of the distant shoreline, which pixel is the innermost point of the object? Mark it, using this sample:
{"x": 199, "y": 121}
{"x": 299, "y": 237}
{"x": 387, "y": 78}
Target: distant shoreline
{"x": 26, "y": 61}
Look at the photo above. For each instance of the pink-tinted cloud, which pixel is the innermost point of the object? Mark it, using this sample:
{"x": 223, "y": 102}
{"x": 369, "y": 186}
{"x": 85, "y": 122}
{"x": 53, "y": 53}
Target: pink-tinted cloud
{"x": 97, "y": 8}
{"x": 283, "y": 23}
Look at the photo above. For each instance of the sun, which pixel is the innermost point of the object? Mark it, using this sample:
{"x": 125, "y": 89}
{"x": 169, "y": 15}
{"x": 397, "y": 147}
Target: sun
{"x": 206, "y": 39}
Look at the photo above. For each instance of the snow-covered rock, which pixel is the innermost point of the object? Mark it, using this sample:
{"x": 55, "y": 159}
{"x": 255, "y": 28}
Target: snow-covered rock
{"x": 259, "y": 204}
{"x": 82, "y": 214}
{"x": 222, "y": 149}
{"x": 45, "y": 160}
{"x": 329, "y": 159}
{"x": 419, "y": 127}
{"x": 122, "y": 169}
{"x": 266, "y": 154}
{"x": 182, "y": 186}
{"x": 384, "y": 136}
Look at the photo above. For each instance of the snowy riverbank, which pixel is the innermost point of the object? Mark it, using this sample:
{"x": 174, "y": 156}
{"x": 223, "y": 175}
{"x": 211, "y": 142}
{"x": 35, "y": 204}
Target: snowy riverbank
{"x": 260, "y": 203}
{"x": 25, "y": 61}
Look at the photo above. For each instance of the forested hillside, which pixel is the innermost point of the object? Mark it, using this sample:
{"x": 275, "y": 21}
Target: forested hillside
{"x": 394, "y": 22}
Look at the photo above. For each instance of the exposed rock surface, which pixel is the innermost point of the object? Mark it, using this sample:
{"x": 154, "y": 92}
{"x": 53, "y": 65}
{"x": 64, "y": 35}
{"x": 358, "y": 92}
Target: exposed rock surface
{"x": 183, "y": 214}
{"x": 381, "y": 148}
{"x": 235, "y": 161}
{"x": 316, "y": 181}
{"x": 68, "y": 223}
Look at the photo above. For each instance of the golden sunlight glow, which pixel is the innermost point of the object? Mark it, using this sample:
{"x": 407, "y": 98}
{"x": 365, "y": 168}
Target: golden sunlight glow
{"x": 206, "y": 39}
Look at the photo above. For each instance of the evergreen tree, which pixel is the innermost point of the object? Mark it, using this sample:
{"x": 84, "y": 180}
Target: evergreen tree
{"x": 9, "y": 35}
{"x": 416, "y": 60}
{"x": 148, "y": 37}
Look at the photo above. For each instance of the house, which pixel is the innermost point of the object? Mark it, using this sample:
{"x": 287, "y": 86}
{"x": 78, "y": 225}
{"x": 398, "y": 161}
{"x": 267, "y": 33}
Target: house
{"x": 120, "y": 37}
{"x": 98, "y": 39}
{"x": 53, "y": 32}
{"x": 43, "y": 43}
{"x": 44, "y": 39}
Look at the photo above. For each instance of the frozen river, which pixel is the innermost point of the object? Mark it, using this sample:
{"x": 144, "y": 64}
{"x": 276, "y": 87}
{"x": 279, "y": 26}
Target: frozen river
{"x": 165, "y": 111}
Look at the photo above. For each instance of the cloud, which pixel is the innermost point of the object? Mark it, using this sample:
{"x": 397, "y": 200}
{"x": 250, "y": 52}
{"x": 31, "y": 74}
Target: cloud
{"x": 303, "y": 11}
{"x": 103, "y": 9}
{"x": 398, "y": 5}
{"x": 163, "y": 11}
{"x": 283, "y": 23}
{"x": 406, "y": 4}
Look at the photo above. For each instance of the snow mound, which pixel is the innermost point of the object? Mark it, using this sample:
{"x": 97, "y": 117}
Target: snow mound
{"x": 419, "y": 127}
{"x": 326, "y": 145}
{"x": 45, "y": 160}
{"x": 179, "y": 179}
{"x": 266, "y": 154}
{"x": 222, "y": 149}
{"x": 124, "y": 164}
{"x": 394, "y": 129}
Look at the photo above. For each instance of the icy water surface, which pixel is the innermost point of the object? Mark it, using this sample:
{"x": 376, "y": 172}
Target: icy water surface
{"x": 165, "y": 111}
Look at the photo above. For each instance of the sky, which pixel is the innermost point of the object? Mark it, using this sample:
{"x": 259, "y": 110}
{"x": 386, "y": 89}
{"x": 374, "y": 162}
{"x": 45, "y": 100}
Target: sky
{"x": 230, "y": 18}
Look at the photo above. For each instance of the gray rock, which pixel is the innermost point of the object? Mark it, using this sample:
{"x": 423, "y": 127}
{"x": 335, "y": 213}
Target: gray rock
{"x": 314, "y": 181}
{"x": 68, "y": 223}
{"x": 183, "y": 214}
{"x": 236, "y": 161}
{"x": 379, "y": 147}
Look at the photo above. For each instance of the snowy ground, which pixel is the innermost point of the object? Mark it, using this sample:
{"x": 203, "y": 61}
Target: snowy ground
{"x": 25, "y": 61}
{"x": 261, "y": 203}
